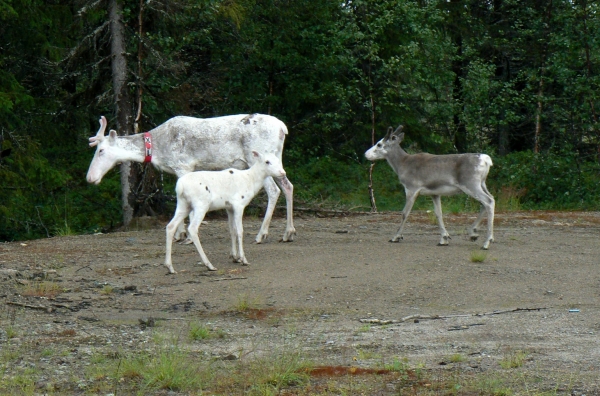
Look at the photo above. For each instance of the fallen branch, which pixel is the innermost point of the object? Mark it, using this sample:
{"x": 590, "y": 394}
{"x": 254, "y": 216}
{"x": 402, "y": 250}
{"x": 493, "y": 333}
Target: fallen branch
{"x": 465, "y": 327}
{"x": 224, "y": 279}
{"x": 39, "y": 307}
{"x": 432, "y": 317}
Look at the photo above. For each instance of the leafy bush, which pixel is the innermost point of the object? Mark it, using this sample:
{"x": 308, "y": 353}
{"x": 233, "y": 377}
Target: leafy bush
{"x": 547, "y": 180}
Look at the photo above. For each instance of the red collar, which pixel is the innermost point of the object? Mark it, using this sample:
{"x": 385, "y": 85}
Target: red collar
{"x": 148, "y": 147}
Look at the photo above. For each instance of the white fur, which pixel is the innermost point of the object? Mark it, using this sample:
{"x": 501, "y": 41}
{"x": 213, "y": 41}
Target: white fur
{"x": 187, "y": 144}
{"x": 230, "y": 189}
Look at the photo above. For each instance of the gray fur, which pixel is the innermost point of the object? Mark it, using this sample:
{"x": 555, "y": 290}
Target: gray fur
{"x": 437, "y": 175}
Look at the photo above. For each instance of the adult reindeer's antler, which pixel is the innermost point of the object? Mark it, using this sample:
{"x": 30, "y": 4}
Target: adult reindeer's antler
{"x": 94, "y": 140}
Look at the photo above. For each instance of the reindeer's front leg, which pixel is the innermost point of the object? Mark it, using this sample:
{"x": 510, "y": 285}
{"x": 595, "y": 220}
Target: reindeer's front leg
{"x": 238, "y": 214}
{"x": 410, "y": 201}
{"x": 235, "y": 255}
{"x": 437, "y": 208}
{"x": 273, "y": 193}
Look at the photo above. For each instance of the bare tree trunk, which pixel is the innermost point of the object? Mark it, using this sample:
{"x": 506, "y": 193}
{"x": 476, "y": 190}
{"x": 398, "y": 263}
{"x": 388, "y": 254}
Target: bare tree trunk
{"x": 138, "y": 116}
{"x": 538, "y": 114}
{"x": 122, "y": 100}
{"x": 371, "y": 190}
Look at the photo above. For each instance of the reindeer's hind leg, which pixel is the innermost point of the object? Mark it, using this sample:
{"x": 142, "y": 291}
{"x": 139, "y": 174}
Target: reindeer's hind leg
{"x": 481, "y": 193}
{"x": 288, "y": 191}
{"x": 180, "y": 214}
{"x": 195, "y": 220}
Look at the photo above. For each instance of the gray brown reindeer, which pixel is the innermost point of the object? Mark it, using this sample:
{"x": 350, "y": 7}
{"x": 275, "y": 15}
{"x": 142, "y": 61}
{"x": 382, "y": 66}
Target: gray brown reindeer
{"x": 438, "y": 175}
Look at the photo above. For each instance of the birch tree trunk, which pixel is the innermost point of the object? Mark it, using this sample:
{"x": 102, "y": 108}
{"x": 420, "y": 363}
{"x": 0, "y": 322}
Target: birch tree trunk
{"x": 123, "y": 107}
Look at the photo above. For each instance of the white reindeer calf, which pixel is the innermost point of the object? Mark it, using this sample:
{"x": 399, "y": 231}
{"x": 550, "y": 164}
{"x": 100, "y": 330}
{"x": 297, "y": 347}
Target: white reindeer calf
{"x": 230, "y": 189}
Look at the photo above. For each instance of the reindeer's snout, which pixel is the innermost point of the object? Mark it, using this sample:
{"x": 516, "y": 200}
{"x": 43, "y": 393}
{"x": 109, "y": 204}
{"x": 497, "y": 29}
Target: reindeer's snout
{"x": 93, "y": 179}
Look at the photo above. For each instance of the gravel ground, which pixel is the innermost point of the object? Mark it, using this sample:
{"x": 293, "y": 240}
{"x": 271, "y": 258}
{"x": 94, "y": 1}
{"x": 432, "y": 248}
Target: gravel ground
{"x": 340, "y": 294}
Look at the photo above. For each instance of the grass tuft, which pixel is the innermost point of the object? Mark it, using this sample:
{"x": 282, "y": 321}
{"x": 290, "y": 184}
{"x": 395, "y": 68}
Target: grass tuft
{"x": 42, "y": 289}
{"x": 245, "y": 303}
{"x": 478, "y": 256}
{"x": 168, "y": 369}
{"x": 200, "y": 332}
{"x": 107, "y": 289}
{"x": 513, "y": 360}
{"x": 457, "y": 358}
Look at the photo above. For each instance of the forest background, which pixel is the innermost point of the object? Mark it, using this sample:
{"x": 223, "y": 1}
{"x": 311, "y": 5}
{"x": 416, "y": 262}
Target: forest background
{"x": 516, "y": 79}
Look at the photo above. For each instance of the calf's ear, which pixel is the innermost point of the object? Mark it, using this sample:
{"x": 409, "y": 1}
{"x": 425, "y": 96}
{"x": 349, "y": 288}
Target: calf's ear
{"x": 112, "y": 136}
{"x": 387, "y": 135}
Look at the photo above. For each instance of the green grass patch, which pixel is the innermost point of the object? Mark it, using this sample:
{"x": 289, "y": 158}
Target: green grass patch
{"x": 514, "y": 359}
{"x": 169, "y": 368}
{"x": 198, "y": 331}
{"x": 46, "y": 289}
{"x": 457, "y": 358}
{"x": 478, "y": 256}
{"x": 245, "y": 303}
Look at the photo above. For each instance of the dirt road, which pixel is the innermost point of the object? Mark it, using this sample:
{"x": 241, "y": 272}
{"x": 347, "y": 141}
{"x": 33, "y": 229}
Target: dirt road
{"x": 542, "y": 273}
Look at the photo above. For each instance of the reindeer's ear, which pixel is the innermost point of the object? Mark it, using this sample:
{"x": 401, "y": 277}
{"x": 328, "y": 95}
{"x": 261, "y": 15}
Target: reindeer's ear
{"x": 388, "y": 134}
{"x": 112, "y": 136}
{"x": 398, "y": 134}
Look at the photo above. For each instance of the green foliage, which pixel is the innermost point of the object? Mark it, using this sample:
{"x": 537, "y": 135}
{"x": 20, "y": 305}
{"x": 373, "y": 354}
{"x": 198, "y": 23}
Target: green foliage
{"x": 506, "y": 78}
{"x": 548, "y": 180}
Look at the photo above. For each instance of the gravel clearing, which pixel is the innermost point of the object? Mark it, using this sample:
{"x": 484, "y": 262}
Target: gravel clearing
{"x": 337, "y": 294}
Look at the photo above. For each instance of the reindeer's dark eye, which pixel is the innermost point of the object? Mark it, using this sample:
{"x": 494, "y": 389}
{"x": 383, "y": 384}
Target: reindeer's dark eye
{"x": 379, "y": 145}
{"x": 100, "y": 151}
{"x": 268, "y": 162}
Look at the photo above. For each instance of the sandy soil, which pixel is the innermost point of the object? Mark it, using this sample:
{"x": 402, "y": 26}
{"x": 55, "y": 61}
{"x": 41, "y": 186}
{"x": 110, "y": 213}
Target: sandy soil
{"x": 537, "y": 291}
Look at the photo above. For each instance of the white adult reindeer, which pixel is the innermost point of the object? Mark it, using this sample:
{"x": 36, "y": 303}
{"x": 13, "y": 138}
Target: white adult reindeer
{"x": 230, "y": 189}
{"x": 438, "y": 175}
{"x": 185, "y": 144}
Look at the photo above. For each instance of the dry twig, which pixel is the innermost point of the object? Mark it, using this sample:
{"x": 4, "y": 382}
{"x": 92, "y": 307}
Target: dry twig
{"x": 431, "y": 317}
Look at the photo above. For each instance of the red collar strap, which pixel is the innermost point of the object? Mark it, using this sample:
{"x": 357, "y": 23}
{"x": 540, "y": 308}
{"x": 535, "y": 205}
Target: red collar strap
{"x": 148, "y": 147}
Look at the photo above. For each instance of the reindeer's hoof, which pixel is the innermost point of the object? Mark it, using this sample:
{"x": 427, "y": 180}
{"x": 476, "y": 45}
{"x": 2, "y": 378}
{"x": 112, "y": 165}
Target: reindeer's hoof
{"x": 443, "y": 244}
{"x": 288, "y": 236}
{"x": 262, "y": 238}
{"x": 171, "y": 273}
{"x": 474, "y": 238}
{"x": 245, "y": 263}
{"x": 395, "y": 241}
